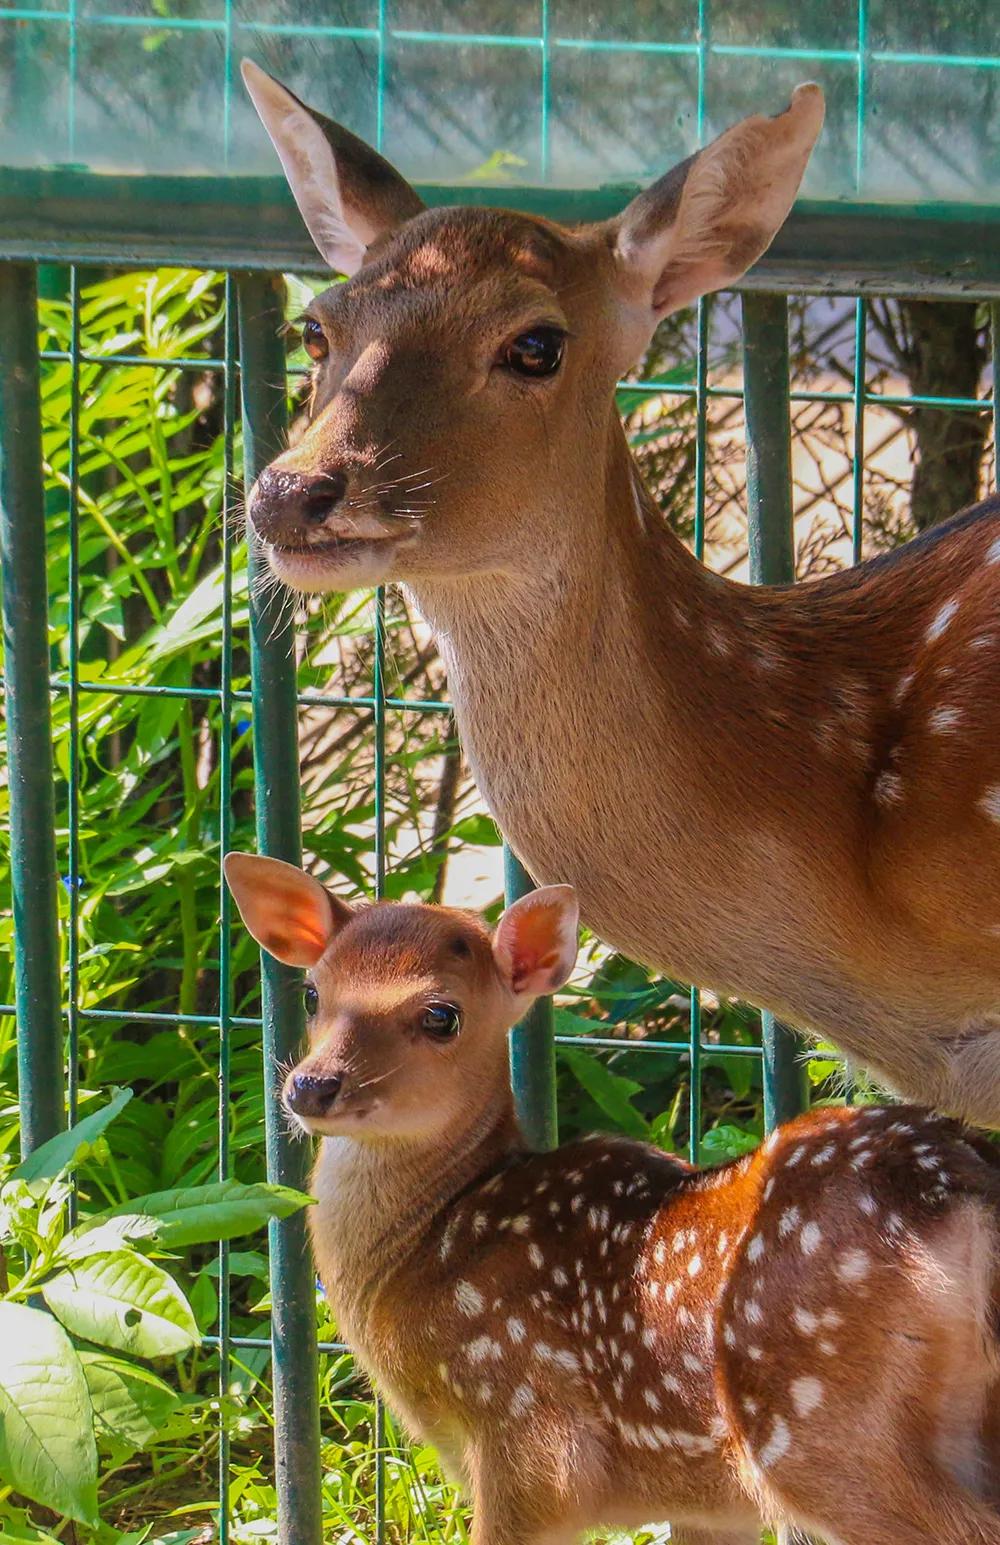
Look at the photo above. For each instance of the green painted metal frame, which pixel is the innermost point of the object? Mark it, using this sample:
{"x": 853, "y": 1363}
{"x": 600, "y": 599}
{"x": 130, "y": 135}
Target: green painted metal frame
{"x": 258, "y": 362}
{"x": 276, "y": 780}
{"x": 772, "y": 562}
{"x": 29, "y": 728}
{"x": 830, "y": 247}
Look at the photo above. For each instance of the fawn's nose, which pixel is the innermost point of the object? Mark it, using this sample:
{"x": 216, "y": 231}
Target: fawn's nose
{"x": 285, "y": 507}
{"x": 307, "y": 1095}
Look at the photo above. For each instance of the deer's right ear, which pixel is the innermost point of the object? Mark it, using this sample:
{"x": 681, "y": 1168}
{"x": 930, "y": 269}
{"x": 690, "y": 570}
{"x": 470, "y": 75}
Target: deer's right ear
{"x": 346, "y": 192}
{"x": 286, "y": 910}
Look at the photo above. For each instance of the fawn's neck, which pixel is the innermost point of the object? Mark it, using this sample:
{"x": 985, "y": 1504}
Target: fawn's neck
{"x": 378, "y": 1200}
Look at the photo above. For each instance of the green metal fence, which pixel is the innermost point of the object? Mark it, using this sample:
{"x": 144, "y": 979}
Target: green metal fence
{"x": 246, "y": 226}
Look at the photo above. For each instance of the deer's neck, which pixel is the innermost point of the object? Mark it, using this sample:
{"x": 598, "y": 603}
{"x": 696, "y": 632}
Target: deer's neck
{"x": 378, "y": 1201}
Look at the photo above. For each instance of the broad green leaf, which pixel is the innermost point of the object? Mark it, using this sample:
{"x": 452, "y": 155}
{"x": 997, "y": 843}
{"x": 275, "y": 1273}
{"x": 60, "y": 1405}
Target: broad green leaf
{"x": 608, "y": 1090}
{"x": 63, "y": 1151}
{"x": 130, "y": 1403}
{"x": 98, "y": 1238}
{"x": 47, "y": 1448}
{"x": 194, "y": 1215}
{"x": 121, "y": 1300}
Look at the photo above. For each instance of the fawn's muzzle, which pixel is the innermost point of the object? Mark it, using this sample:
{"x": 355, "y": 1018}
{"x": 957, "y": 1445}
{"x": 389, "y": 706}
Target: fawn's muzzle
{"x": 307, "y": 1095}
{"x": 288, "y": 509}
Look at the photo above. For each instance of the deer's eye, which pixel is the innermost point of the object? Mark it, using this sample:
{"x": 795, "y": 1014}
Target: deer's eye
{"x": 441, "y": 1021}
{"x": 314, "y": 340}
{"x": 536, "y": 353}
{"x": 310, "y": 998}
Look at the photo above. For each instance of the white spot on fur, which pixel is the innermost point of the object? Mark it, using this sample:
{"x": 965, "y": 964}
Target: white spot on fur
{"x": 942, "y": 620}
{"x": 942, "y": 720}
{"x": 903, "y": 686}
{"x": 515, "y": 1330}
{"x": 805, "y": 1321}
{"x": 888, "y": 788}
{"x": 752, "y": 1312}
{"x": 468, "y": 1298}
{"x": 810, "y": 1238}
{"x": 788, "y": 1221}
{"x": 989, "y": 802}
{"x": 483, "y": 1347}
{"x": 993, "y": 551}
{"x": 522, "y": 1400}
{"x": 777, "y": 1446}
{"x": 535, "y": 1256}
{"x": 806, "y": 1394}
{"x": 854, "y": 1266}
{"x": 560, "y": 1277}
{"x": 756, "y": 1248}
{"x": 521, "y": 1224}
{"x": 694, "y": 1265}
{"x": 729, "y": 1335}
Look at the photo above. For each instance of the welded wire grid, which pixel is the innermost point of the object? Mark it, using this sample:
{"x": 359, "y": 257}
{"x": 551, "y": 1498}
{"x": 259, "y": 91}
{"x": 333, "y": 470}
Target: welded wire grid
{"x": 544, "y": 39}
{"x": 229, "y": 699}
{"x": 383, "y": 704}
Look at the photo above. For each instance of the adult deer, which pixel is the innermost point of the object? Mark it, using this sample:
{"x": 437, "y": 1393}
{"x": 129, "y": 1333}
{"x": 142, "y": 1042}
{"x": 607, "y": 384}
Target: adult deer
{"x": 602, "y": 1334}
{"x": 790, "y": 795}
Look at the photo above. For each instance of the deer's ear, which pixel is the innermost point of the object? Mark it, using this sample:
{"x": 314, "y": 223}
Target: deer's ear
{"x": 702, "y": 225}
{"x": 346, "y": 192}
{"x": 536, "y": 940}
{"x": 286, "y": 910}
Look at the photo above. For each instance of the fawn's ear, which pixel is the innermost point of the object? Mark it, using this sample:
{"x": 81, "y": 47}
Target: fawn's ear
{"x": 286, "y": 910}
{"x": 536, "y": 940}
{"x": 702, "y": 225}
{"x": 346, "y": 192}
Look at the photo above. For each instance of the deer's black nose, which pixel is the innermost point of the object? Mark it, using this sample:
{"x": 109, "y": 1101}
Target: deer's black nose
{"x": 307, "y": 1095}
{"x": 285, "y": 506}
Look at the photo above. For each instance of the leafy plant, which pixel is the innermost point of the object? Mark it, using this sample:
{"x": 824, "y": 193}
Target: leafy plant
{"x": 86, "y": 1305}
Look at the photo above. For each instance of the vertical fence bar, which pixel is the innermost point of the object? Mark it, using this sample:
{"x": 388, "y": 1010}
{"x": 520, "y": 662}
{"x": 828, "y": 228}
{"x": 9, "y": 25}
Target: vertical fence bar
{"x": 29, "y": 723}
{"x": 73, "y": 664}
{"x": 772, "y": 562}
{"x": 995, "y": 346}
{"x": 532, "y": 1046}
{"x": 225, "y": 901}
{"x": 276, "y": 782}
{"x": 700, "y": 470}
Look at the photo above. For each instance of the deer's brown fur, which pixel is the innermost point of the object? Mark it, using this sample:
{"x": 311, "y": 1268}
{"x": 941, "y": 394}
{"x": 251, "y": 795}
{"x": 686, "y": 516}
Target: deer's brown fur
{"x": 603, "y": 1334}
{"x": 793, "y": 796}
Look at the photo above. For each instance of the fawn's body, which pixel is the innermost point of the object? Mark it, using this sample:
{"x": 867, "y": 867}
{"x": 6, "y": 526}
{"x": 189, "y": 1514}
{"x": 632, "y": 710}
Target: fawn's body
{"x": 602, "y": 1335}
{"x": 790, "y": 796}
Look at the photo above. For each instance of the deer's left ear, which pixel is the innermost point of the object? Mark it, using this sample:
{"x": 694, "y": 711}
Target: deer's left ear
{"x": 702, "y": 225}
{"x": 536, "y": 940}
{"x": 348, "y": 195}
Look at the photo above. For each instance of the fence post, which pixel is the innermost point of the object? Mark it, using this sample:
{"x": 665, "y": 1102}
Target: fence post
{"x": 276, "y": 783}
{"x": 772, "y": 562}
{"x": 532, "y": 1047}
{"x": 29, "y": 721}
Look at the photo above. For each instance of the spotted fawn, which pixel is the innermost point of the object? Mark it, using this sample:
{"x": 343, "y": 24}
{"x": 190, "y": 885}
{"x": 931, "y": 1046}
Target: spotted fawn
{"x": 604, "y": 1334}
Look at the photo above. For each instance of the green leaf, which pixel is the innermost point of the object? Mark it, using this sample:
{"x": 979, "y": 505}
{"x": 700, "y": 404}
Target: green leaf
{"x": 47, "y": 1448}
{"x": 65, "y": 1150}
{"x": 121, "y": 1300}
{"x": 726, "y": 1142}
{"x": 608, "y": 1090}
{"x": 195, "y": 1215}
{"x": 130, "y": 1403}
{"x": 98, "y": 1237}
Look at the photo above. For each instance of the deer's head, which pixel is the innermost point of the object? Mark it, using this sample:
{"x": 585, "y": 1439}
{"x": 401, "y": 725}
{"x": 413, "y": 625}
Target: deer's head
{"x": 463, "y": 399}
{"x": 407, "y": 1006}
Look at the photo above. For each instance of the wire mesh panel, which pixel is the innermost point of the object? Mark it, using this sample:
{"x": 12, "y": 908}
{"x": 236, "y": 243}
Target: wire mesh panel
{"x": 189, "y": 711}
{"x": 521, "y": 91}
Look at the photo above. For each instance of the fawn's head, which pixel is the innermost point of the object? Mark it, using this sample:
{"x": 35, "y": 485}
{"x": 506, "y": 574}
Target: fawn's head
{"x": 408, "y": 1006}
{"x": 465, "y": 373}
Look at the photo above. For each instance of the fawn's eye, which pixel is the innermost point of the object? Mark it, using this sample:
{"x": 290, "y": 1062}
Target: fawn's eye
{"x": 314, "y": 340}
{"x": 536, "y": 353}
{"x": 441, "y": 1021}
{"x": 310, "y": 998}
